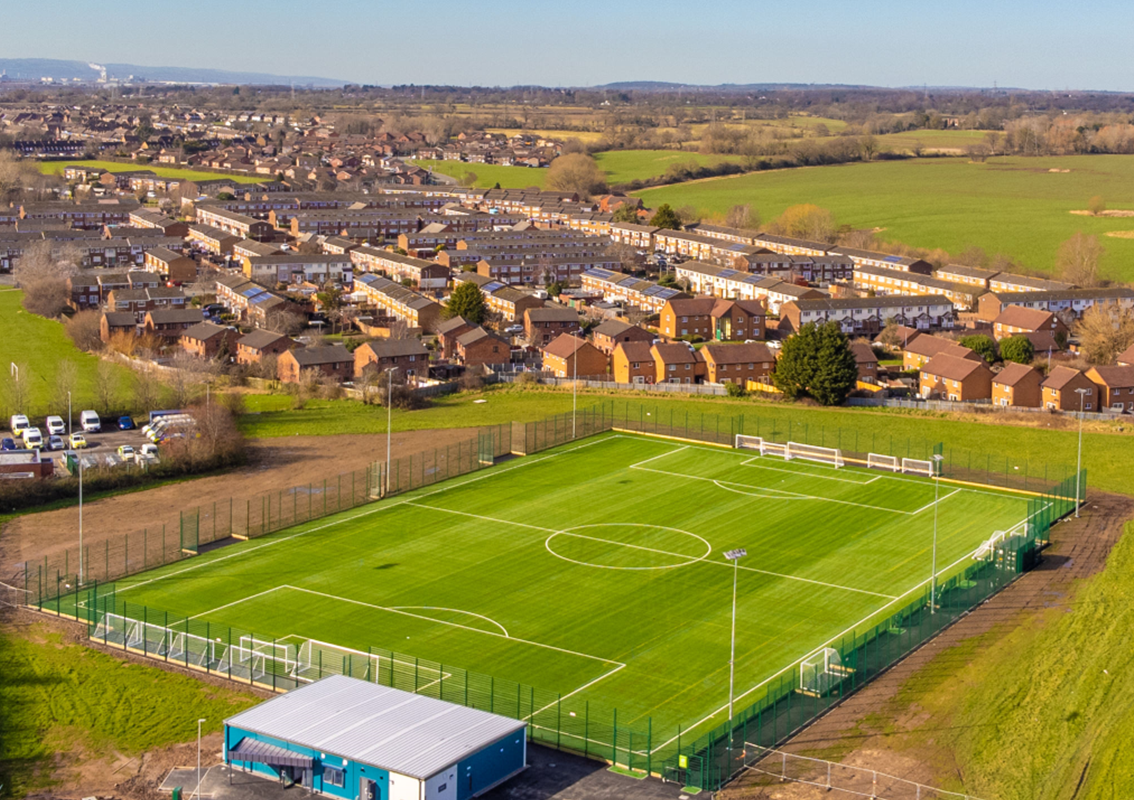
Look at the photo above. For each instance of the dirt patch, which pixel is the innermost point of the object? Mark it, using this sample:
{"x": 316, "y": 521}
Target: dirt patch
{"x": 274, "y": 464}
{"x": 1114, "y": 212}
{"x": 858, "y": 732}
{"x": 1121, "y": 234}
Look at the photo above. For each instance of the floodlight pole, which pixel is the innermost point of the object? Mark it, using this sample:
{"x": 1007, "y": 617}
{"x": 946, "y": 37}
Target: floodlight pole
{"x": 574, "y": 385}
{"x": 199, "y": 758}
{"x": 79, "y": 458}
{"x": 937, "y": 459}
{"x": 734, "y": 556}
{"x": 389, "y": 423}
{"x": 1082, "y": 392}
{"x": 68, "y": 413}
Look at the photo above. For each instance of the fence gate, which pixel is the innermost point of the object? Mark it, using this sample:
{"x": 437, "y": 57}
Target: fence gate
{"x": 486, "y": 447}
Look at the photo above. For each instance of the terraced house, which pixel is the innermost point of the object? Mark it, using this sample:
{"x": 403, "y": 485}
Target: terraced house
{"x": 395, "y": 301}
{"x": 869, "y": 315}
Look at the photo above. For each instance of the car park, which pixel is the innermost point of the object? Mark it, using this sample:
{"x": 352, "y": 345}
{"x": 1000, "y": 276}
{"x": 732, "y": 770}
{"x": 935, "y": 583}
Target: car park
{"x": 33, "y": 439}
{"x": 78, "y": 441}
{"x": 90, "y": 422}
{"x": 126, "y": 451}
{"x": 8, "y": 443}
{"x": 126, "y": 424}
{"x": 55, "y": 443}
{"x": 18, "y": 424}
{"x": 55, "y": 425}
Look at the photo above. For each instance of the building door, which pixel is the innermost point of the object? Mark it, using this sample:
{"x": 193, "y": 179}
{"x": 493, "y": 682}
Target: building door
{"x": 368, "y": 790}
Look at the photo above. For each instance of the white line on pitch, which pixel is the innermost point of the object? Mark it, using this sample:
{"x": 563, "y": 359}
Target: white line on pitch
{"x": 805, "y": 473}
{"x": 936, "y": 502}
{"x": 663, "y": 455}
{"x": 818, "y": 583}
{"x": 454, "y": 625}
{"x": 604, "y": 676}
{"x": 238, "y": 602}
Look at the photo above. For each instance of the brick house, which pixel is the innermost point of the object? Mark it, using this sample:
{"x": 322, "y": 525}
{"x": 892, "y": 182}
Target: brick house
{"x": 476, "y": 347}
{"x": 676, "y": 362}
{"x": 170, "y": 323}
{"x": 954, "y": 378}
{"x": 633, "y": 362}
{"x": 1017, "y": 385}
{"x": 448, "y": 331}
{"x": 712, "y": 318}
{"x": 113, "y": 322}
{"x": 1060, "y": 390}
{"x": 410, "y": 356}
{"x": 1020, "y": 320}
{"x": 738, "y": 363}
{"x": 1116, "y": 387}
{"x": 610, "y": 333}
{"x": 1126, "y": 357}
{"x": 543, "y": 325}
{"x": 919, "y": 351}
{"x": 333, "y": 360}
{"x": 252, "y": 348}
{"x": 569, "y": 356}
{"x": 176, "y": 268}
{"x": 207, "y": 340}
{"x": 866, "y": 361}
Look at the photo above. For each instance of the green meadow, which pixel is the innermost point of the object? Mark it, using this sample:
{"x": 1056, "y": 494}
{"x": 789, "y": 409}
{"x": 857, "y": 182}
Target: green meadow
{"x": 488, "y": 175}
{"x": 1017, "y": 206}
{"x": 53, "y": 167}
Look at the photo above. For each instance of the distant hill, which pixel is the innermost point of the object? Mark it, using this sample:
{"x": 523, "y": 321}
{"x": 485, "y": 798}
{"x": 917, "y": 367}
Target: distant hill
{"x": 33, "y": 69}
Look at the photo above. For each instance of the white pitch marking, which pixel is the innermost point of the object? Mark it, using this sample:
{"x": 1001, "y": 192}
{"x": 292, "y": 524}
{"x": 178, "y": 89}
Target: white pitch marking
{"x": 663, "y": 455}
{"x": 455, "y": 611}
{"x": 806, "y": 473}
{"x": 238, "y": 602}
{"x": 936, "y": 502}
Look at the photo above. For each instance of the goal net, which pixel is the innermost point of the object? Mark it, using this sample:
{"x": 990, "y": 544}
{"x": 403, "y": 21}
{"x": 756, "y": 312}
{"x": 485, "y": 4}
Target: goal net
{"x": 281, "y": 654}
{"x": 318, "y": 659}
{"x": 917, "y": 466}
{"x": 243, "y": 662}
{"x": 821, "y": 672}
{"x": 812, "y": 452}
{"x": 749, "y": 442}
{"x": 890, "y": 463}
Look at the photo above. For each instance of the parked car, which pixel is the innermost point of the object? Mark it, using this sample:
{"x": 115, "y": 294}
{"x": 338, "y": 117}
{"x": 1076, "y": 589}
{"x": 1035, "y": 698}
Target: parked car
{"x": 33, "y": 439}
{"x": 126, "y": 451}
{"x": 514, "y": 329}
{"x": 8, "y": 443}
{"x": 18, "y": 424}
{"x": 126, "y": 424}
{"x": 78, "y": 441}
{"x": 55, "y": 443}
{"x": 55, "y": 425}
{"x": 90, "y": 421}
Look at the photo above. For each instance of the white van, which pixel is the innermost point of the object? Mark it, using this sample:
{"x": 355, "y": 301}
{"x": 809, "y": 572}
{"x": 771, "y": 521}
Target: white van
{"x": 33, "y": 439}
{"x": 18, "y": 424}
{"x": 90, "y": 422}
{"x": 56, "y": 426}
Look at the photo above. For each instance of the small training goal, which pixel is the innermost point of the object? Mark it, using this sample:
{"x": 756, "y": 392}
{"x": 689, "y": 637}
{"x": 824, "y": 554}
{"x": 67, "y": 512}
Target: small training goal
{"x": 821, "y": 672}
{"x": 791, "y": 450}
{"x": 317, "y": 659}
{"x": 878, "y": 461}
{"x": 917, "y": 466}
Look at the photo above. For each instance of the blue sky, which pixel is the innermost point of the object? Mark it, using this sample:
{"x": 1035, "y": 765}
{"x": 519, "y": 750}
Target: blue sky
{"x": 583, "y": 43}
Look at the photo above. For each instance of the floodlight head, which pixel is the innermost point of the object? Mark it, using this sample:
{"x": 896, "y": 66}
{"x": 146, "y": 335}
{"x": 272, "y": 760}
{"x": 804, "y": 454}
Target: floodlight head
{"x": 733, "y": 555}
{"x": 1082, "y": 391}
{"x": 938, "y": 457}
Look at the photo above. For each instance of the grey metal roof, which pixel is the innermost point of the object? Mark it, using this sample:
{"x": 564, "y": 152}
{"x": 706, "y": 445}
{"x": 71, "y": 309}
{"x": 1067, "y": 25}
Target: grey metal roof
{"x": 387, "y": 728}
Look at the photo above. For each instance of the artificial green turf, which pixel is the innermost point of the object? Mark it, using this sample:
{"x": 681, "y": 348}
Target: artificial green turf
{"x": 52, "y": 167}
{"x": 555, "y": 569}
{"x": 1011, "y": 205}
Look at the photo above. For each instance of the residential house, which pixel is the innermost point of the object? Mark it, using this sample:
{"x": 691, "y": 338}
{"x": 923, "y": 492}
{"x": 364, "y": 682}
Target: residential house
{"x": 1126, "y": 357}
{"x": 1116, "y": 387}
{"x": 395, "y": 301}
{"x": 1017, "y": 385}
{"x": 712, "y": 318}
{"x": 298, "y": 268}
{"x": 113, "y": 322}
{"x": 423, "y": 275}
{"x": 173, "y": 267}
{"x": 543, "y": 325}
{"x": 918, "y": 351}
{"x": 476, "y": 347}
{"x": 569, "y": 356}
{"x": 677, "y": 362}
{"x": 866, "y": 361}
{"x": 212, "y": 240}
{"x": 409, "y": 356}
{"x": 1015, "y": 320}
{"x": 139, "y": 301}
{"x": 610, "y": 333}
{"x": 207, "y": 340}
{"x": 614, "y": 286}
{"x": 953, "y": 378}
{"x": 709, "y": 279}
{"x": 253, "y": 347}
{"x": 333, "y": 361}
{"x": 633, "y": 362}
{"x": 1061, "y": 390}
{"x": 738, "y": 363}
{"x": 1065, "y": 302}
{"x": 869, "y": 315}
{"x": 170, "y": 323}
{"x": 448, "y": 331}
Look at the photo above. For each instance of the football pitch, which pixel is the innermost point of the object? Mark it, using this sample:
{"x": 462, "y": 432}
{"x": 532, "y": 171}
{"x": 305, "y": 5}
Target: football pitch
{"x": 596, "y": 571}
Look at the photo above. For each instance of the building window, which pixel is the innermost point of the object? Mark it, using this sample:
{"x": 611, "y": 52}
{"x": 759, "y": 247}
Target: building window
{"x": 333, "y": 777}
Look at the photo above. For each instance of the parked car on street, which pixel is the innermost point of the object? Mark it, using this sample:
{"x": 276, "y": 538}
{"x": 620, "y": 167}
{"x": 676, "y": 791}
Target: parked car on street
{"x": 78, "y": 441}
{"x": 55, "y": 443}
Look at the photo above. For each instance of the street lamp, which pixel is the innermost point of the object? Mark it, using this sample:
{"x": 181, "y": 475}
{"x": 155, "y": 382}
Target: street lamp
{"x": 734, "y": 556}
{"x": 1082, "y": 392}
{"x": 199, "y": 758}
{"x": 79, "y": 458}
{"x": 937, "y": 459}
{"x": 389, "y": 423}
{"x": 68, "y": 413}
{"x": 574, "y": 383}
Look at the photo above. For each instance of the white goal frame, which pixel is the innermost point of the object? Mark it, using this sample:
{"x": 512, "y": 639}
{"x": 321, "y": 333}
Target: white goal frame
{"x": 316, "y": 659}
{"x": 918, "y": 466}
{"x": 813, "y": 669}
{"x": 279, "y": 653}
{"x": 813, "y": 452}
{"x": 879, "y": 461}
{"x": 744, "y": 442}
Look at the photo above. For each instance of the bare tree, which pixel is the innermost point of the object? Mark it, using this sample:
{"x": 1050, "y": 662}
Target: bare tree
{"x": 146, "y": 391}
{"x": 1104, "y": 332}
{"x": 107, "y": 383}
{"x": 16, "y": 388}
{"x": 743, "y": 215}
{"x": 286, "y": 322}
{"x": 43, "y": 274}
{"x": 305, "y": 387}
{"x": 66, "y": 381}
{"x": 575, "y": 172}
{"x": 1078, "y": 260}
{"x": 187, "y": 373}
{"x": 329, "y": 387}
{"x": 85, "y": 331}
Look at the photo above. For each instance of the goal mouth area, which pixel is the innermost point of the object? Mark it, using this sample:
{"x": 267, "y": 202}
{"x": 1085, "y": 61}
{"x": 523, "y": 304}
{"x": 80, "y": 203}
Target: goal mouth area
{"x": 789, "y": 451}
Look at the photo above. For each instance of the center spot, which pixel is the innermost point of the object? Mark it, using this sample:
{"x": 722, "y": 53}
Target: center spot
{"x": 630, "y": 546}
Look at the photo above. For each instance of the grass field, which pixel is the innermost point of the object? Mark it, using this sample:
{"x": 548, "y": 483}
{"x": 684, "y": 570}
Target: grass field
{"x": 622, "y": 166}
{"x": 43, "y": 345}
{"x": 1013, "y": 205}
{"x": 488, "y": 175}
{"x": 52, "y": 167}
{"x": 623, "y": 600}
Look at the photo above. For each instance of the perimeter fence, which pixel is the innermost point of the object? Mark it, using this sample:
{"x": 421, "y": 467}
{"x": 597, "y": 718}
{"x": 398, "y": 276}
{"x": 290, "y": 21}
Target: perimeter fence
{"x": 778, "y": 708}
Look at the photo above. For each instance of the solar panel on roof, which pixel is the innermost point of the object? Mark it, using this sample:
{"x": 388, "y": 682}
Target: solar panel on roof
{"x": 666, "y": 293}
{"x": 492, "y": 286}
{"x": 892, "y": 259}
{"x": 626, "y": 281}
{"x": 726, "y": 273}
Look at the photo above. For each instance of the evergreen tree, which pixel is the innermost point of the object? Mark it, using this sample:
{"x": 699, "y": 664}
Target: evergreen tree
{"x": 666, "y": 217}
{"x": 625, "y": 213}
{"x": 981, "y": 344}
{"x": 817, "y": 362}
{"x": 1017, "y": 348}
{"x": 467, "y": 301}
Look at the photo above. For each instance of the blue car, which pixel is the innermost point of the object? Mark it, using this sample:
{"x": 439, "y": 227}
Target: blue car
{"x": 7, "y": 443}
{"x": 125, "y": 423}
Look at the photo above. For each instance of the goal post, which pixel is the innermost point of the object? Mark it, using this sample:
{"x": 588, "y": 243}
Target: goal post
{"x": 744, "y": 442}
{"x": 918, "y": 466}
{"x": 813, "y": 452}
{"x": 822, "y": 671}
{"x": 317, "y": 659}
{"x": 281, "y": 654}
{"x": 888, "y": 463}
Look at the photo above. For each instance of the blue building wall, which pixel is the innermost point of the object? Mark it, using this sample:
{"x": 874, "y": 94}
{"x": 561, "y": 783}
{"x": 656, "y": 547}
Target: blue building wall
{"x": 354, "y": 772}
{"x": 487, "y": 766}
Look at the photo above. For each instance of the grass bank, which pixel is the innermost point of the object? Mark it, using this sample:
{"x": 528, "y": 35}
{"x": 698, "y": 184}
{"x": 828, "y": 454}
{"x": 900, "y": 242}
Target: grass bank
{"x": 53, "y": 167}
